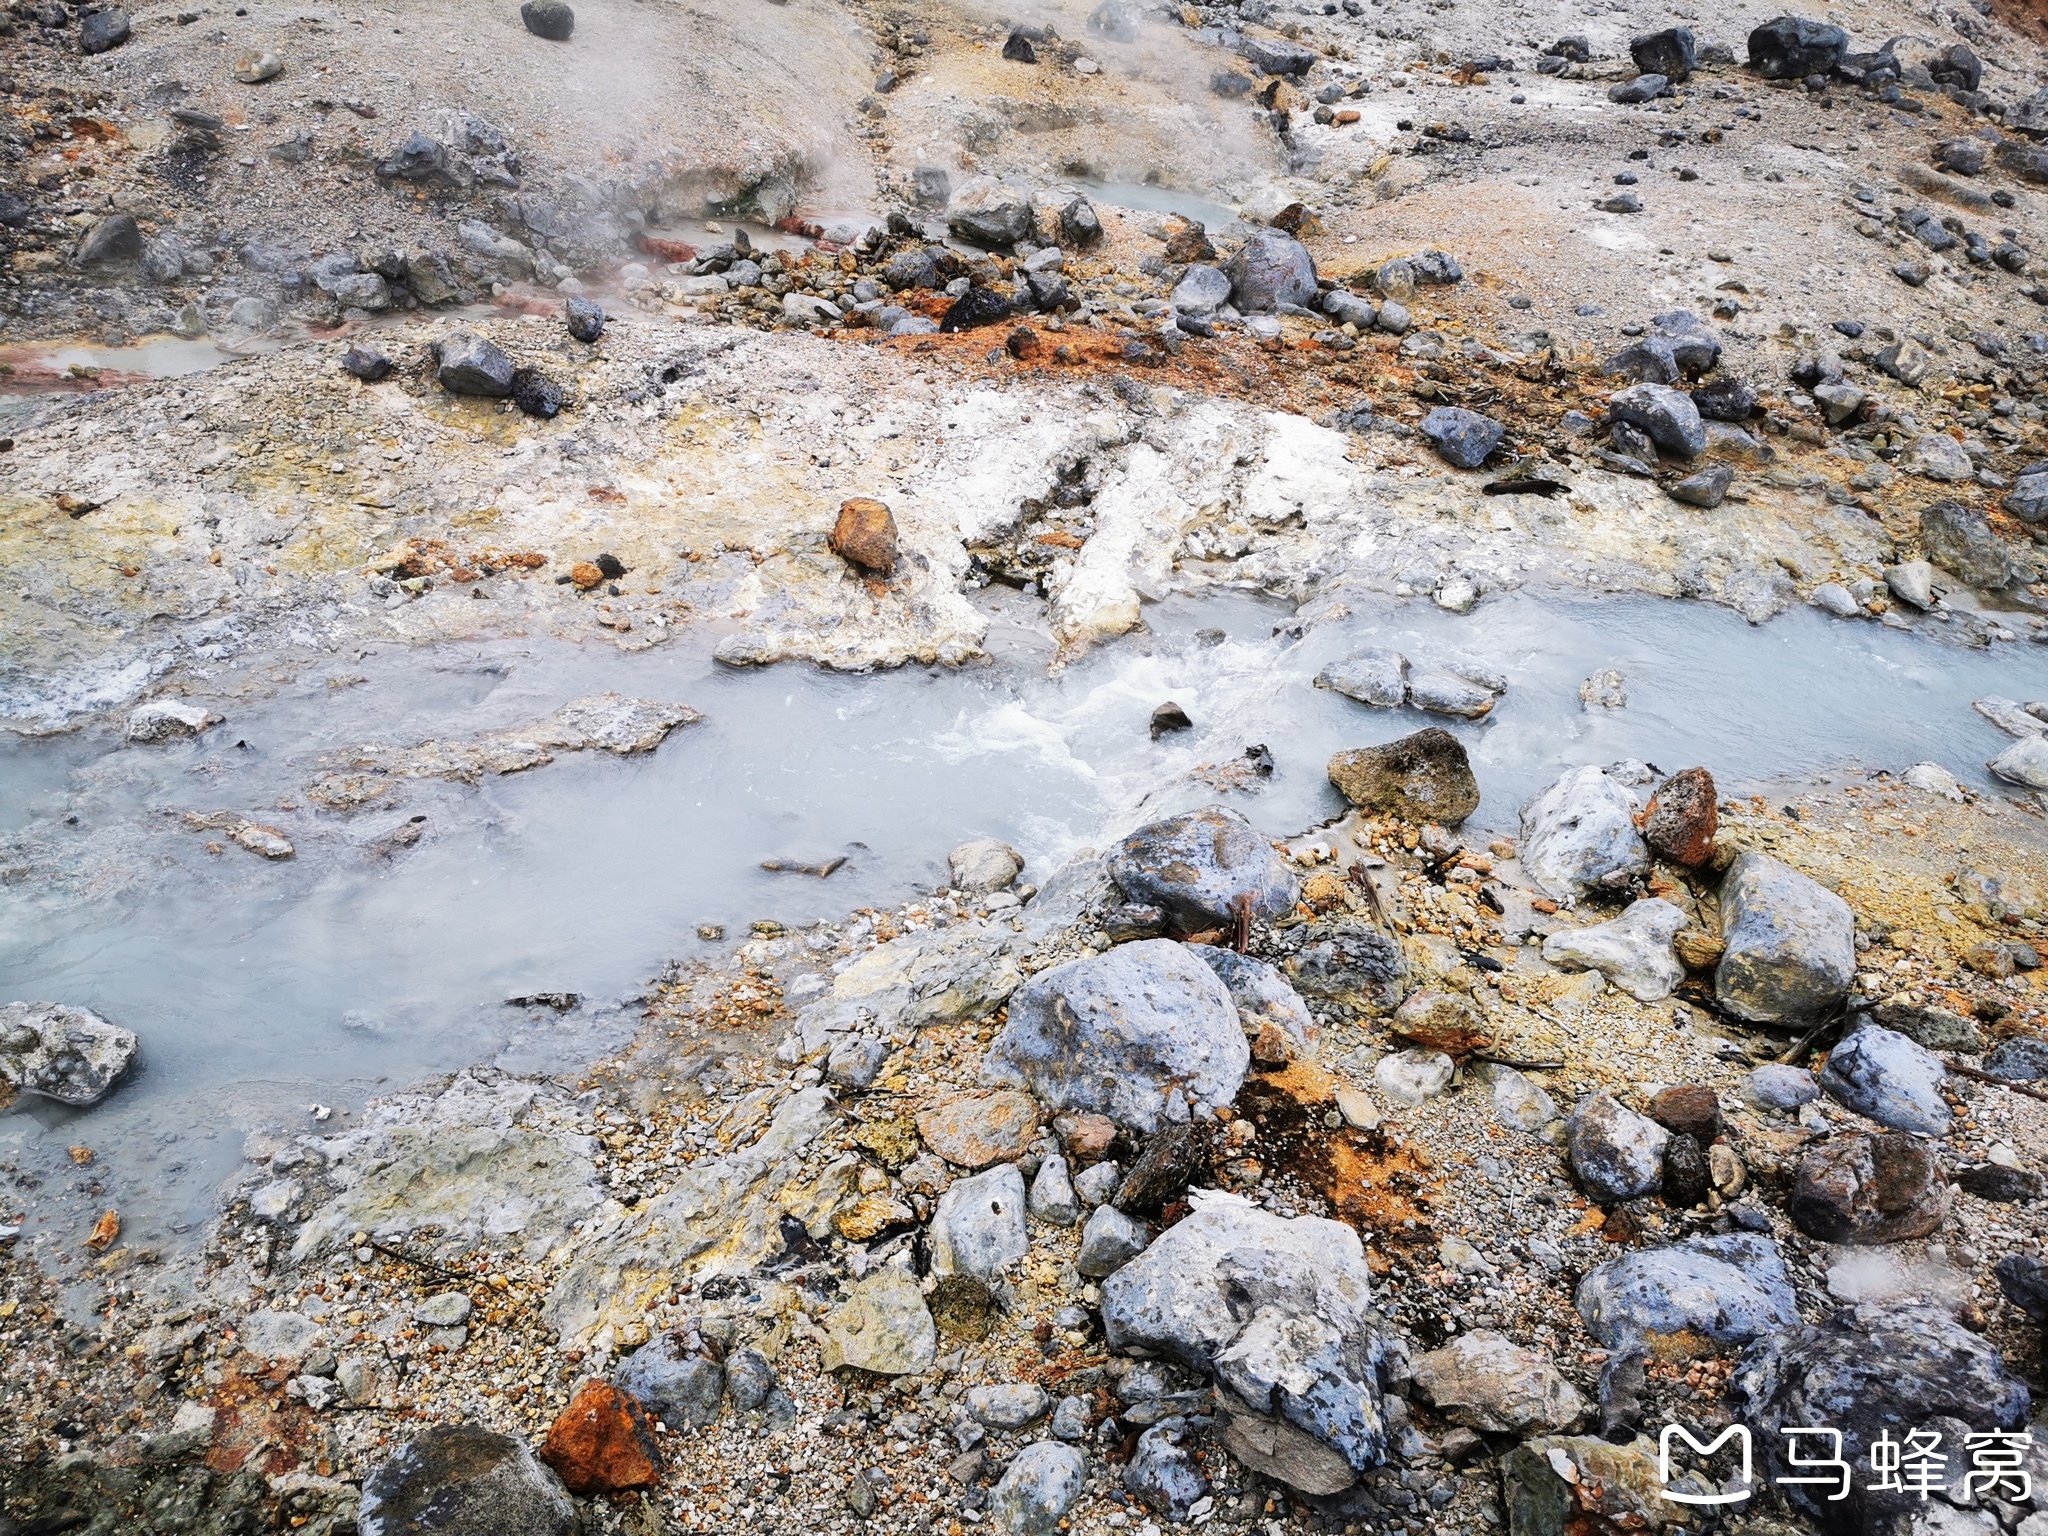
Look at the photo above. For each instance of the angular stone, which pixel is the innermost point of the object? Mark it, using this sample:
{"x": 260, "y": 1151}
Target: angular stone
{"x": 166, "y": 719}
{"x": 1884, "y": 1076}
{"x": 1869, "y": 1189}
{"x": 1877, "y": 1369}
{"x": 463, "y": 1480}
{"x": 1109, "y": 1241}
{"x": 1163, "y": 1473}
{"x": 1959, "y": 540}
{"x": 1791, "y": 943}
{"x": 978, "y": 1228}
{"x": 1683, "y": 816}
{"x": 972, "y": 1130}
{"x": 1793, "y": 47}
{"x": 883, "y": 1325}
{"x": 1616, "y": 1154}
{"x": 991, "y": 212}
{"x": 602, "y": 1442}
{"x": 1145, "y": 1034}
{"x": 1780, "y": 1088}
{"x": 1462, "y": 438}
{"x": 1274, "y": 1018}
{"x": 865, "y": 535}
{"x": 1423, "y": 777}
{"x": 1668, "y": 416}
{"x": 1730, "y": 1289}
{"x": 1041, "y": 1484}
{"x": 1633, "y": 951}
{"x": 1353, "y": 966}
{"x": 679, "y": 1387}
{"x": 71, "y": 1055}
{"x": 1160, "y": 1175}
{"x": 985, "y": 864}
{"x": 467, "y": 364}
{"x": 1271, "y": 269}
{"x": 1444, "y": 692}
{"x": 1485, "y": 1381}
{"x": 1670, "y": 53}
{"x": 1517, "y": 1101}
{"x": 1579, "y": 834}
{"x": 1196, "y": 866}
{"x": 1412, "y": 1076}
{"x": 111, "y": 238}
{"x": 2024, "y": 763}
{"x": 1442, "y": 1021}
{"x": 584, "y": 319}
{"x": 1690, "y": 1109}
{"x": 1052, "y": 1198}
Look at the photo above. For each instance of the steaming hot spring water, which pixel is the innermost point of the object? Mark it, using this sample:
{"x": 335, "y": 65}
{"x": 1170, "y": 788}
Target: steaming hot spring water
{"x": 262, "y": 988}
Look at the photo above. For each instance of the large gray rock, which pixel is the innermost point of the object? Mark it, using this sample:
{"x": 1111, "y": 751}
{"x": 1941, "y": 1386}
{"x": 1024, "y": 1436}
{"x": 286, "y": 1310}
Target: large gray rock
{"x": 1959, "y": 540}
{"x": 1280, "y": 1312}
{"x": 1194, "y": 867}
{"x": 1376, "y": 676}
{"x": 1579, "y": 834}
{"x": 1109, "y": 1241}
{"x": 991, "y": 212}
{"x": 1633, "y": 951}
{"x": 1885, "y": 1077}
{"x": 1201, "y": 290}
{"x": 1731, "y": 1289}
{"x": 1042, "y": 1483}
{"x": 1144, "y": 1034}
{"x": 678, "y": 1385}
{"x": 462, "y": 1480}
{"x": 978, "y": 1228}
{"x": 467, "y": 364}
{"x": 1351, "y": 965}
{"x": 1486, "y": 1381}
{"x": 1163, "y": 1474}
{"x": 57, "y": 1052}
{"x": 2025, "y": 763}
{"x": 1275, "y": 1019}
{"x": 1271, "y": 269}
{"x": 1616, "y": 1154}
{"x": 1876, "y": 1369}
{"x": 1790, "y": 943}
{"x": 1667, "y": 415}
{"x": 1461, "y": 438}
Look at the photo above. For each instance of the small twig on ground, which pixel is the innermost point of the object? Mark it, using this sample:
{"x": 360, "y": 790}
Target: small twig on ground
{"x": 420, "y": 1263}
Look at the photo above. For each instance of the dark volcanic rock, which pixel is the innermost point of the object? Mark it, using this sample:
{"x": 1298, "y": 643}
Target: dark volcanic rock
{"x": 584, "y": 318}
{"x": 461, "y": 1480}
{"x": 1423, "y": 777}
{"x": 536, "y": 394}
{"x": 1875, "y": 1369}
{"x": 1078, "y": 224}
{"x": 116, "y": 237}
{"x": 978, "y": 306}
{"x": 1869, "y": 1189}
{"x": 1160, "y": 1175}
{"x": 1671, "y": 53}
{"x": 466, "y": 364}
{"x": 550, "y": 19}
{"x": 1683, "y": 816}
{"x": 1017, "y": 48}
{"x": 1793, "y": 47}
{"x": 1461, "y": 438}
{"x": 1959, "y": 540}
{"x": 1271, "y": 269}
{"x": 366, "y": 363}
{"x": 103, "y": 31}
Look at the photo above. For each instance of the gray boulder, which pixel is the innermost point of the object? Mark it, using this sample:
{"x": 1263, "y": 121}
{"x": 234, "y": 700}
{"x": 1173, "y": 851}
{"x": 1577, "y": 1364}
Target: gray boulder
{"x": 71, "y": 1055}
{"x": 1009, "y": 1405}
{"x": 1279, "y": 1311}
{"x": 2022, "y": 1059}
{"x": 1163, "y": 1474}
{"x": 1042, "y": 1483}
{"x": 984, "y": 864}
{"x": 1352, "y": 965}
{"x": 1780, "y": 1089}
{"x": 1878, "y": 1369}
{"x": 584, "y": 319}
{"x": 1109, "y": 1241}
{"x": 1194, "y": 867}
{"x": 1633, "y": 951}
{"x": 991, "y": 212}
{"x": 1275, "y": 1019}
{"x": 678, "y": 1385}
{"x": 1790, "y": 943}
{"x": 2025, "y": 763}
{"x": 466, "y": 364}
{"x": 1461, "y": 438}
{"x": 1375, "y": 676}
{"x": 978, "y": 1228}
{"x": 1959, "y": 540}
{"x": 1579, "y": 834}
{"x": 1668, "y": 416}
{"x": 1886, "y": 1188}
{"x": 462, "y": 1480}
{"x": 1052, "y": 1197}
{"x": 1271, "y": 269}
{"x": 1201, "y": 290}
{"x": 1144, "y": 1034}
{"x": 1883, "y": 1076}
{"x": 111, "y": 238}
{"x": 1791, "y": 48}
{"x": 1731, "y": 1289}
{"x": 1616, "y": 1154}
{"x": 749, "y": 1378}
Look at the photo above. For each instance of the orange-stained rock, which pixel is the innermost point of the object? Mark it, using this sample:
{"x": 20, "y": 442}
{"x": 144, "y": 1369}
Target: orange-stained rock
{"x": 1086, "y": 1138}
{"x": 866, "y": 535}
{"x": 1683, "y": 817}
{"x": 602, "y": 1443}
{"x": 586, "y": 575}
{"x": 973, "y": 1130}
{"x": 1442, "y": 1021}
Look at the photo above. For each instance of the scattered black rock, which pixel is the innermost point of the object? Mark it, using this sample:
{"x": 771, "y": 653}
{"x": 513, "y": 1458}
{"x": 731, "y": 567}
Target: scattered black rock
{"x": 1671, "y": 53}
{"x": 103, "y": 31}
{"x": 536, "y": 394}
{"x": 550, "y": 19}
{"x": 1169, "y": 717}
{"x": 585, "y": 319}
{"x": 366, "y": 363}
{"x": 1794, "y": 47}
{"x": 466, "y": 364}
{"x": 978, "y": 306}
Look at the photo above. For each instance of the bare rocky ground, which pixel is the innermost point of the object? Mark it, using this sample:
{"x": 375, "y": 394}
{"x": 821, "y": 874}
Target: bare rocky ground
{"x": 758, "y": 1193}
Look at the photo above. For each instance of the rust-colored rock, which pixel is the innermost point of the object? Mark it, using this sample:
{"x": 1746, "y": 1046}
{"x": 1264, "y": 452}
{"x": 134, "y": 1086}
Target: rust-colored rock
{"x": 602, "y": 1443}
{"x": 1869, "y": 1189}
{"x": 1697, "y": 949}
{"x": 1683, "y": 817}
{"x": 1086, "y": 1138}
{"x": 586, "y": 575}
{"x": 1189, "y": 242}
{"x": 1442, "y": 1021}
{"x": 973, "y": 1130}
{"x": 1690, "y": 1109}
{"x": 865, "y": 535}
{"x": 105, "y": 1230}
{"x": 1023, "y": 343}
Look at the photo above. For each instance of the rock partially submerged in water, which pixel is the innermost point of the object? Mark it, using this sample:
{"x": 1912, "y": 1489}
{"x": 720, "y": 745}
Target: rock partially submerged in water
{"x": 463, "y": 1480}
{"x": 71, "y": 1055}
{"x": 599, "y": 722}
{"x": 165, "y": 719}
{"x": 1424, "y": 777}
{"x": 1145, "y": 1034}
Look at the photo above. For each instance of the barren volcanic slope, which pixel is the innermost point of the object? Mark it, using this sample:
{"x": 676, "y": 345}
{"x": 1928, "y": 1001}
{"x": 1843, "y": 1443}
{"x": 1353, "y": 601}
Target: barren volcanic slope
{"x": 1191, "y": 569}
